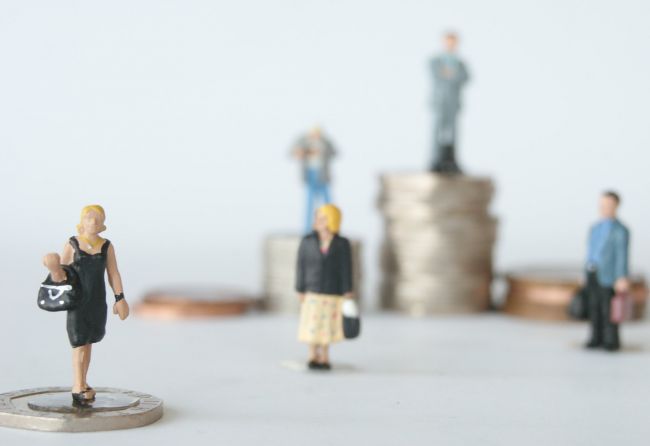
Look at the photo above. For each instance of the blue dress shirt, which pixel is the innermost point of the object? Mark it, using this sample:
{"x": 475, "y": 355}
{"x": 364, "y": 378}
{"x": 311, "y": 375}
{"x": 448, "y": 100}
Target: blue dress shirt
{"x": 598, "y": 239}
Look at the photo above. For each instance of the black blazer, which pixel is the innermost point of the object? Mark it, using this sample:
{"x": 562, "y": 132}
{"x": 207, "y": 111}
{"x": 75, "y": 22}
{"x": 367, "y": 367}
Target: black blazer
{"x": 329, "y": 273}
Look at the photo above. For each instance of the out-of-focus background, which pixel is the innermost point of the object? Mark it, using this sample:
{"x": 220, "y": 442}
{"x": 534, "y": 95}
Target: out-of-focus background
{"x": 178, "y": 117}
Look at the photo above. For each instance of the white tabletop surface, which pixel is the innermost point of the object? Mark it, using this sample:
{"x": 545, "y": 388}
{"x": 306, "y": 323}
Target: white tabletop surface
{"x": 461, "y": 380}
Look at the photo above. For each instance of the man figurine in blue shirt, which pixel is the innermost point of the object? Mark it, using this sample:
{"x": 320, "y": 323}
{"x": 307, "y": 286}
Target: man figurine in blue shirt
{"x": 449, "y": 77}
{"x": 607, "y": 271}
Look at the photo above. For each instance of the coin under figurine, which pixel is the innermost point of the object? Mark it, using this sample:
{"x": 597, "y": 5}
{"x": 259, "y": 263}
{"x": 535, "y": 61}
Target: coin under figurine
{"x": 75, "y": 284}
{"x": 51, "y": 409}
{"x": 438, "y": 243}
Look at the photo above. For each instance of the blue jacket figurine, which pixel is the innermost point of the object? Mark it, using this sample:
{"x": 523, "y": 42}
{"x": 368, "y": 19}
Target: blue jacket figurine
{"x": 607, "y": 272}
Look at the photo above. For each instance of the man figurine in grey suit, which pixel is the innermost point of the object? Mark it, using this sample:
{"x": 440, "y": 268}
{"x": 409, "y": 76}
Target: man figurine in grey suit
{"x": 607, "y": 271}
{"x": 315, "y": 152}
{"x": 449, "y": 77}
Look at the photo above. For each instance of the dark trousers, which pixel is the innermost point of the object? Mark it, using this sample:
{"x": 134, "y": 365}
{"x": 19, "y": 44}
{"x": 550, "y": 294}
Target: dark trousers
{"x": 444, "y": 142}
{"x": 603, "y": 331}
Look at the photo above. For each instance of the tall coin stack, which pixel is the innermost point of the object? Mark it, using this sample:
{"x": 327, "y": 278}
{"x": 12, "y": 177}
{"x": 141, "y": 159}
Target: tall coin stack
{"x": 437, "y": 251}
{"x": 280, "y": 259}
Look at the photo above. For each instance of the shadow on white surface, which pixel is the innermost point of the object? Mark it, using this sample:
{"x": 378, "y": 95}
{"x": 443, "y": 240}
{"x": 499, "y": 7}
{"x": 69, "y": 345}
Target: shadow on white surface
{"x": 625, "y": 348}
{"x": 301, "y": 366}
{"x": 344, "y": 368}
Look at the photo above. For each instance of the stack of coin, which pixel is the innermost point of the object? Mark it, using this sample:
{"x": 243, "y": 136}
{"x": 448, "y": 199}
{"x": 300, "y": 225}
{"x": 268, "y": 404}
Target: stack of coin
{"x": 437, "y": 250}
{"x": 280, "y": 259}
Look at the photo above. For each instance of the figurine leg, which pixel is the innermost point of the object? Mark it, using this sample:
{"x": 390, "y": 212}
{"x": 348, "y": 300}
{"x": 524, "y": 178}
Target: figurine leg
{"x": 326, "y": 193}
{"x": 596, "y": 316}
{"x": 313, "y": 352}
{"x": 325, "y": 357}
{"x": 314, "y": 193}
{"x": 444, "y": 141}
{"x": 611, "y": 340}
{"x": 309, "y": 217}
{"x": 80, "y": 363}
{"x": 86, "y": 365}
{"x": 314, "y": 355}
{"x": 325, "y": 353}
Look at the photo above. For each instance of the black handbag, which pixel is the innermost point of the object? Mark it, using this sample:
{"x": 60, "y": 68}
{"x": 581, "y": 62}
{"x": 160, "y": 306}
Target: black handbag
{"x": 60, "y": 296}
{"x": 579, "y": 305}
{"x": 351, "y": 319}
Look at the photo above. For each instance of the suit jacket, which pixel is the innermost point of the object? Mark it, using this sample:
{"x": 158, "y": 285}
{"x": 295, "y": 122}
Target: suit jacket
{"x": 613, "y": 261}
{"x": 329, "y": 273}
{"x": 446, "y": 91}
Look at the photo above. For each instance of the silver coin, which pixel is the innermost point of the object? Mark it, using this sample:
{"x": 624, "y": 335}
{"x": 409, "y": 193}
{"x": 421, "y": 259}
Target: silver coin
{"x": 51, "y": 409}
{"x": 436, "y": 256}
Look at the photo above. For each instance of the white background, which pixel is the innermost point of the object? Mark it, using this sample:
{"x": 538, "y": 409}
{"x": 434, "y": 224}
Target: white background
{"x": 177, "y": 117}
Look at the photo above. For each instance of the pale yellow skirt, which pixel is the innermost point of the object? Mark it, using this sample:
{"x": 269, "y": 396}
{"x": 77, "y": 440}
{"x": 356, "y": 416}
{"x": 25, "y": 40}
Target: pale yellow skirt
{"x": 321, "y": 321}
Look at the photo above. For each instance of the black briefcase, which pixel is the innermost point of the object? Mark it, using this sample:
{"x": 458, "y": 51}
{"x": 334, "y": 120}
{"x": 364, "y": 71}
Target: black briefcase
{"x": 579, "y": 305}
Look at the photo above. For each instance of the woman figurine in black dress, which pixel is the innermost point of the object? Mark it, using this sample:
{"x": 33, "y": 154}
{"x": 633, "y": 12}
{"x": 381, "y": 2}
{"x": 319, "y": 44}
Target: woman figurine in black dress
{"x": 90, "y": 256}
{"x": 323, "y": 281}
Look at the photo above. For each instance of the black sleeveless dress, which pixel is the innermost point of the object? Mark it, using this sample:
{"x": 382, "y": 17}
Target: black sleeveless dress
{"x": 87, "y": 323}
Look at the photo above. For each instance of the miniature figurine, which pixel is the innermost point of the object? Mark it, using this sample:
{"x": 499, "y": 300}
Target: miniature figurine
{"x": 607, "y": 272}
{"x": 315, "y": 152}
{"x": 90, "y": 256}
{"x": 449, "y": 77}
{"x": 323, "y": 282}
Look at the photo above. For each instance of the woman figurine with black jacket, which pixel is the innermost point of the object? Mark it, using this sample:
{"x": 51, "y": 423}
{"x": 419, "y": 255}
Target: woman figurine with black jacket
{"x": 323, "y": 281}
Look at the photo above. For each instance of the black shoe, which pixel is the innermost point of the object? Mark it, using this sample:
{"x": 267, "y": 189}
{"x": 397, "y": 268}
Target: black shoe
{"x": 446, "y": 168}
{"x": 90, "y": 389}
{"x": 446, "y": 161}
{"x": 80, "y": 400}
{"x": 593, "y": 344}
{"x": 313, "y": 365}
{"x": 612, "y": 347}
{"x": 324, "y": 366}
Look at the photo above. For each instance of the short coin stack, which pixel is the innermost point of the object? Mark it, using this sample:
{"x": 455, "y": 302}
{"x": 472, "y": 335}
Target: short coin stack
{"x": 437, "y": 251}
{"x": 280, "y": 258}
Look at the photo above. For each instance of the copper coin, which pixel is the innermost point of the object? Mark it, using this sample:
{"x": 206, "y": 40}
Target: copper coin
{"x": 193, "y": 302}
{"x": 545, "y": 293}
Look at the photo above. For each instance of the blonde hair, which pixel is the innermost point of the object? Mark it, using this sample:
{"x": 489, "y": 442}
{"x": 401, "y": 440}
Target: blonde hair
{"x": 91, "y": 207}
{"x": 333, "y": 215}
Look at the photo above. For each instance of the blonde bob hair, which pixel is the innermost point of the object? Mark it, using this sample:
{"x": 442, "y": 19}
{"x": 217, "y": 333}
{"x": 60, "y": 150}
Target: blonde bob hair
{"x": 333, "y": 215}
{"x": 91, "y": 207}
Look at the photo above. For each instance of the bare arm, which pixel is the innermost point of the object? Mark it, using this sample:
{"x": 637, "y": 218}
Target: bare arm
{"x": 114, "y": 278}
{"x": 299, "y": 151}
{"x": 67, "y": 256}
{"x": 120, "y": 308}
